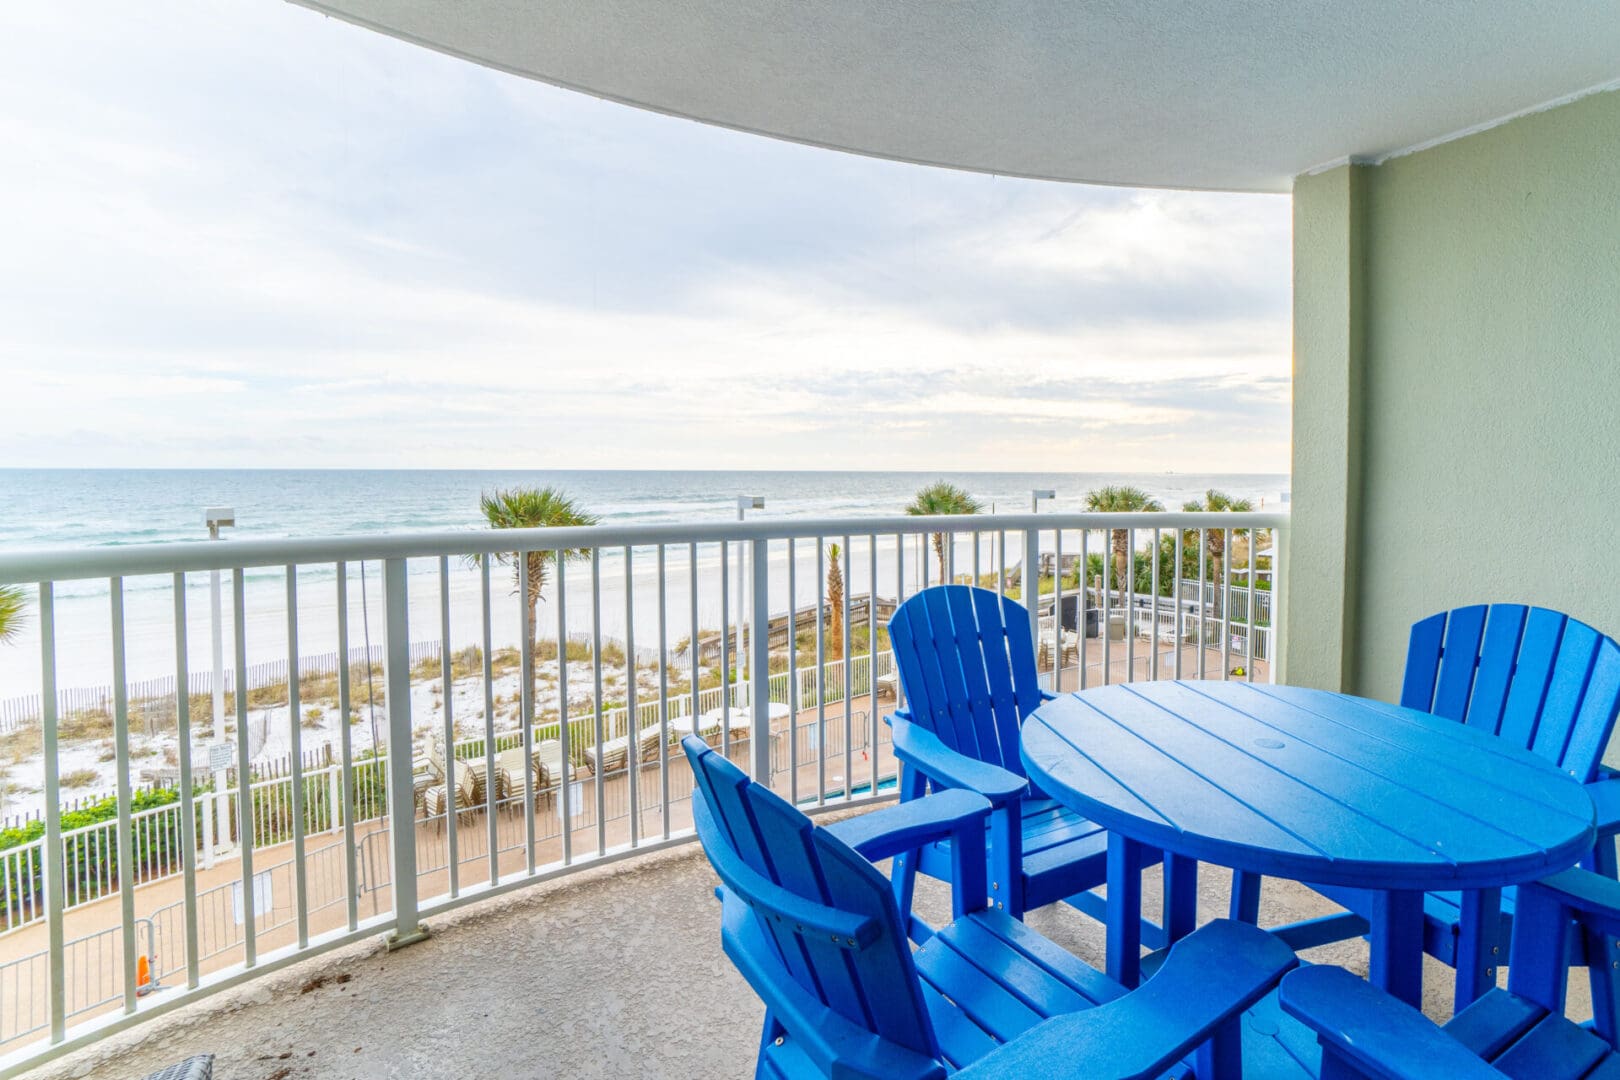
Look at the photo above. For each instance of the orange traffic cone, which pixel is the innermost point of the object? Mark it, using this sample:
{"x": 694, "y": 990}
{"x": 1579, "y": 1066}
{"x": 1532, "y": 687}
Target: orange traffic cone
{"x": 143, "y": 976}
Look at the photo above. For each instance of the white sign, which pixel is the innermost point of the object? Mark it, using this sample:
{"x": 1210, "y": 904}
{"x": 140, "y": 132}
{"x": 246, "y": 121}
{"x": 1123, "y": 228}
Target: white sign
{"x": 263, "y": 899}
{"x": 219, "y": 756}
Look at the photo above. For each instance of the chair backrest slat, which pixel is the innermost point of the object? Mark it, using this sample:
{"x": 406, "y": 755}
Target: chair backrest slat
{"x": 1497, "y": 659}
{"x": 728, "y": 809}
{"x": 1534, "y": 677}
{"x": 1423, "y": 662}
{"x": 794, "y": 867}
{"x": 1595, "y": 721}
{"x": 941, "y": 668}
{"x": 1566, "y": 688}
{"x": 874, "y": 986}
{"x": 968, "y": 669}
{"x": 1538, "y": 652}
{"x": 1465, "y": 629}
{"x": 981, "y": 626}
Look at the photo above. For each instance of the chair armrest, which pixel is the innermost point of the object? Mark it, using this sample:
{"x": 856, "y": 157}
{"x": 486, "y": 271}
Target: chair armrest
{"x": 1605, "y": 792}
{"x": 1210, "y": 977}
{"x": 880, "y": 834}
{"x": 923, "y": 750}
{"x": 837, "y": 1046}
{"x": 895, "y": 830}
{"x": 1373, "y": 1033}
{"x": 1593, "y": 899}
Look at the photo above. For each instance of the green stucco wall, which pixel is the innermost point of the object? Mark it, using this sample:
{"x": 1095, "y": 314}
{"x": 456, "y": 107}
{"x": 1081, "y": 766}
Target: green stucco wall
{"x": 1457, "y": 389}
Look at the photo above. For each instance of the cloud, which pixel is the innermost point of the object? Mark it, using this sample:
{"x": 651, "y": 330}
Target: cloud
{"x": 254, "y": 236}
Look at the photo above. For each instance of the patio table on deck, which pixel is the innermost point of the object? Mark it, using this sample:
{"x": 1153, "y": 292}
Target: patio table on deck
{"x": 1317, "y": 787}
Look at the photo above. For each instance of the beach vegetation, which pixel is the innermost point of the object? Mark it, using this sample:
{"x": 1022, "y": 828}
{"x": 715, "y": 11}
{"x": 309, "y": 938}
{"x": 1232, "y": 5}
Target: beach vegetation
{"x": 1215, "y": 539}
{"x": 533, "y": 508}
{"x": 80, "y": 778}
{"x": 13, "y": 610}
{"x": 942, "y": 498}
{"x": 835, "y": 603}
{"x": 1121, "y": 499}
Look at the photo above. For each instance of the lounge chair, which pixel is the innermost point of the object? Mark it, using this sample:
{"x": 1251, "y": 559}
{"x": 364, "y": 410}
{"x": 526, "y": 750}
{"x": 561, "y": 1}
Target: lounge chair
{"x": 616, "y": 752}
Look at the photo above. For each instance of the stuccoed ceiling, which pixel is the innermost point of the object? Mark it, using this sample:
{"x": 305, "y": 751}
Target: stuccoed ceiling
{"x": 1193, "y": 94}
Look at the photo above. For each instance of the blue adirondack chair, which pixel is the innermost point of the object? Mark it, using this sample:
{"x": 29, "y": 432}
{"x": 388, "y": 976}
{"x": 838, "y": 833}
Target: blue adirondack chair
{"x": 967, "y": 666}
{"x": 1518, "y": 1032}
{"x": 813, "y": 926}
{"x": 1537, "y": 679}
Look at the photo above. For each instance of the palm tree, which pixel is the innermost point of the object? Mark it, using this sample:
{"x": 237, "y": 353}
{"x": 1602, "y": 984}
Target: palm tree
{"x": 835, "y": 603}
{"x": 12, "y": 602}
{"x": 1215, "y": 502}
{"x": 942, "y": 498}
{"x": 533, "y": 508}
{"x": 1121, "y": 499}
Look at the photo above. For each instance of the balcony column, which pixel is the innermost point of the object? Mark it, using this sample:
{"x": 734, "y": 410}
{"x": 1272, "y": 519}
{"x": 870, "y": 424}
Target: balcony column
{"x": 1321, "y": 544}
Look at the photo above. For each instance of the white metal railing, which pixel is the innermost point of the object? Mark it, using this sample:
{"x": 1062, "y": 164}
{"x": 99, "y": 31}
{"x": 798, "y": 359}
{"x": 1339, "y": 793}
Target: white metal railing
{"x": 357, "y": 848}
{"x": 90, "y": 871}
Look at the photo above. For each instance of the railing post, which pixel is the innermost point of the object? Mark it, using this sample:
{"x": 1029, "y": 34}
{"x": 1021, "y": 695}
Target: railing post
{"x": 1032, "y": 589}
{"x": 55, "y": 869}
{"x": 401, "y": 792}
{"x": 759, "y": 679}
{"x": 1278, "y": 643}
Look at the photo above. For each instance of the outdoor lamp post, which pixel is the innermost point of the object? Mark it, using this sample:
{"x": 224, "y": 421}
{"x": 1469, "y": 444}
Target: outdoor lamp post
{"x": 218, "y": 517}
{"x": 1033, "y": 572}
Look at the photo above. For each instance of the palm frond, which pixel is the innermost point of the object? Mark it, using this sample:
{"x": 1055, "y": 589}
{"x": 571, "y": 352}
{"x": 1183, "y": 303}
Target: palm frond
{"x": 13, "y": 611}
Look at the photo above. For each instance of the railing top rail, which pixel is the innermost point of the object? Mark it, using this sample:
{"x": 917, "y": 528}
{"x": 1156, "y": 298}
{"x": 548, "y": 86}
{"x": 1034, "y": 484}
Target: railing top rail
{"x": 65, "y": 564}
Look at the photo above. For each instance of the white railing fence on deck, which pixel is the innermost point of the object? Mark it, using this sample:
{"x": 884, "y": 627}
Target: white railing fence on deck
{"x": 119, "y": 919}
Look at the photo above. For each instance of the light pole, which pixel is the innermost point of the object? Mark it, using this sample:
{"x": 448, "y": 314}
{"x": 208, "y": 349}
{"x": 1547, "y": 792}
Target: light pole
{"x": 219, "y": 517}
{"x": 1034, "y": 572}
{"x": 745, "y": 578}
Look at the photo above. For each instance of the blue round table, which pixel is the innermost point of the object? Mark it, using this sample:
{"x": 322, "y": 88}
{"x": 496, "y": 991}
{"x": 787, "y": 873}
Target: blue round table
{"x": 1317, "y": 787}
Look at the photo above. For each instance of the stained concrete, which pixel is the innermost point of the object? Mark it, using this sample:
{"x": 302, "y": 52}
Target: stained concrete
{"x": 617, "y": 972}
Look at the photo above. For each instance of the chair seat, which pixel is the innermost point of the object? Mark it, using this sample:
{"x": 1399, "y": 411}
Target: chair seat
{"x": 1523, "y": 1040}
{"x": 1014, "y": 977}
{"x": 1064, "y": 852}
{"x": 1518, "y": 1037}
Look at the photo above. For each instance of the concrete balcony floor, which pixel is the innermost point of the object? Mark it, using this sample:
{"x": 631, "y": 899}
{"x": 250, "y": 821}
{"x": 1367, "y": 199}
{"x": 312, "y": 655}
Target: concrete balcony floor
{"x": 614, "y": 972}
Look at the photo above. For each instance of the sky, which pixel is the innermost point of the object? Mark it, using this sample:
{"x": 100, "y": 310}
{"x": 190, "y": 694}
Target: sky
{"x": 239, "y": 234}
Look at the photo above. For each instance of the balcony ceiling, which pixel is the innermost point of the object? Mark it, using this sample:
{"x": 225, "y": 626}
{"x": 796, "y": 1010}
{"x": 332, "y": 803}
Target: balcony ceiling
{"x": 1172, "y": 93}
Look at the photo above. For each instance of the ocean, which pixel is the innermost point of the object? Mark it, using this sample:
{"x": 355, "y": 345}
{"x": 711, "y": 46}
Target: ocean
{"x": 48, "y": 508}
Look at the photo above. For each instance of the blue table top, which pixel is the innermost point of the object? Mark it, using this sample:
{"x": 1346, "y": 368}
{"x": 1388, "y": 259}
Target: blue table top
{"x": 1308, "y": 785}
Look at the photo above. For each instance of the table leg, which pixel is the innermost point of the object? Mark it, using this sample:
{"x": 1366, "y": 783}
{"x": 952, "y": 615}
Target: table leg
{"x": 1124, "y": 910}
{"x": 1245, "y": 897}
{"x": 1180, "y": 897}
{"x": 1478, "y": 947}
{"x": 1396, "y": 925}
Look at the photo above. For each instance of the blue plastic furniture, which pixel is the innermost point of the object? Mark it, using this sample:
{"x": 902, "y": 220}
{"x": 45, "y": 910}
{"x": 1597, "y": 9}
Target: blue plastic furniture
{"x": 1536, "y": 679}
{"x": 967, "y": 665}
{"x": 813, "y": 926}
{"x": 1518, "y": 1032}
